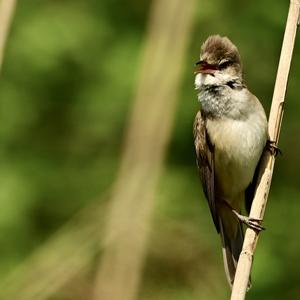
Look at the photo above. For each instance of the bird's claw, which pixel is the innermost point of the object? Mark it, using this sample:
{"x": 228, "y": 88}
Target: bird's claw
{"x": 273, "y": 148}
{"x": 252, "y": 223}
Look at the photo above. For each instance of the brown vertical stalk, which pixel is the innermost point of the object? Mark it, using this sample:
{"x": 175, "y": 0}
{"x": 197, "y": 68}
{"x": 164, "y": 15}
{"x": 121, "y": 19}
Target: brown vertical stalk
{"x": 260, "y": 199}
{"x": 149, "y": 130}
{"x": 7, "y": 8}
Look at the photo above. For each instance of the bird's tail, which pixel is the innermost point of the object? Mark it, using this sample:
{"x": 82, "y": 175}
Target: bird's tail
{"x": 232, "y": 238}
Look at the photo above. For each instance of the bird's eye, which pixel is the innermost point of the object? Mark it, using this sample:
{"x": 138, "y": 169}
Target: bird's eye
{"x": 224, "y": 64}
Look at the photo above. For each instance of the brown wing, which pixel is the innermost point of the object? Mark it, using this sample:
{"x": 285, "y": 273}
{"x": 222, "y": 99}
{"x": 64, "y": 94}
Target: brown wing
{"x": 205, "y": 163}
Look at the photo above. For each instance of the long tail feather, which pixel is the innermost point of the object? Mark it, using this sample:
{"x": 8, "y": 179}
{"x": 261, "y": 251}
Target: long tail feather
{"x": 232, "y": 243}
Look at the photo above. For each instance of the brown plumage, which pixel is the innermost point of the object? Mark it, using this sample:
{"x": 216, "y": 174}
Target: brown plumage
{"x": 232, "y": 240}
{"x": 230, "y": 132}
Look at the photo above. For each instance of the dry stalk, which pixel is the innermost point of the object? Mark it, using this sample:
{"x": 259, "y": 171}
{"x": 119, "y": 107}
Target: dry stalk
{"x": 129, "y": 218}
{"x": 7, "y": 8}
{"x": 260, "y": 199}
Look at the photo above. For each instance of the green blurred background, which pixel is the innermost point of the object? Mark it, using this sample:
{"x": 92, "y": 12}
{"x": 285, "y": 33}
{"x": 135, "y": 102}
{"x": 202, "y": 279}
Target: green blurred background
{"x": 66, "y": 89}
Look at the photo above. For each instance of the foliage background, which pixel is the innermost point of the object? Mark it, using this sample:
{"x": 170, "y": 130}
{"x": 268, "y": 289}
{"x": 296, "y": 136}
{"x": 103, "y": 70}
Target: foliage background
{"x": 66, "y": 89}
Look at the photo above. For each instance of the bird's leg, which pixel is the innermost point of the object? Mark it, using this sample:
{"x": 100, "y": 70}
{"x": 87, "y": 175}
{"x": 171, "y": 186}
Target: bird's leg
{"x": 252, "y": 223}
{"x": 273, "y": 148}
{"x": 249, "y": 222}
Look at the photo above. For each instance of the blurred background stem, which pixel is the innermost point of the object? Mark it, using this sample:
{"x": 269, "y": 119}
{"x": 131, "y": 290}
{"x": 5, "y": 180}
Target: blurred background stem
{"x": 7, "y": 8}
{"x": 98, "y": 96}
{"x": 149, "y": 130}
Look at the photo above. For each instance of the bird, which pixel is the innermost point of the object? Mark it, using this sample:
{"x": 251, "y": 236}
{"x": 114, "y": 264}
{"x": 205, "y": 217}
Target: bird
{"x": 230, "y": 135}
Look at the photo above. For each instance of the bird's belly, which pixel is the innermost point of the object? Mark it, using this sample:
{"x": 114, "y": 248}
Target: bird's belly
{"x": 238, "y": 147}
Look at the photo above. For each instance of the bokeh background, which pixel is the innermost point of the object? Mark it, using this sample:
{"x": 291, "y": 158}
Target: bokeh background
{"x": 67, "y": 85}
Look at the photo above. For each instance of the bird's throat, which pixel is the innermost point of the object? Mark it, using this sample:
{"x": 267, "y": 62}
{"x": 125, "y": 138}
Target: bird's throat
{"x": 214, "y": 101}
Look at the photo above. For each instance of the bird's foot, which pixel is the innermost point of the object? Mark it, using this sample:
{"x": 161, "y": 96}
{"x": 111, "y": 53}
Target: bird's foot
{"x": 252, "y": 223}
{"x": 273, "y": 148}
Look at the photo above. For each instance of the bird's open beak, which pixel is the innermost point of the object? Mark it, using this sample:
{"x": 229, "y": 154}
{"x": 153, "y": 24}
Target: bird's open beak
{"x": 203, "y": 67}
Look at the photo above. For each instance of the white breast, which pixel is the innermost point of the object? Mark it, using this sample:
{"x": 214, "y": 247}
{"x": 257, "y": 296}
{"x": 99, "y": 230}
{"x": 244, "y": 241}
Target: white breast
{"x": 238, "y": 147}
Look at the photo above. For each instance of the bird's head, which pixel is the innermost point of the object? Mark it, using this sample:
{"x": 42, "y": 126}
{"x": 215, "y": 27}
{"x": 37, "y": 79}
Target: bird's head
{"x": 219, "y": 58}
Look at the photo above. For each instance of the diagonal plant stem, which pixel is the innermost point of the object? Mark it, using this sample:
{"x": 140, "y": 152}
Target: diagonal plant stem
{"x": 266, "y": 170}
{"x": 7, "y": 8}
